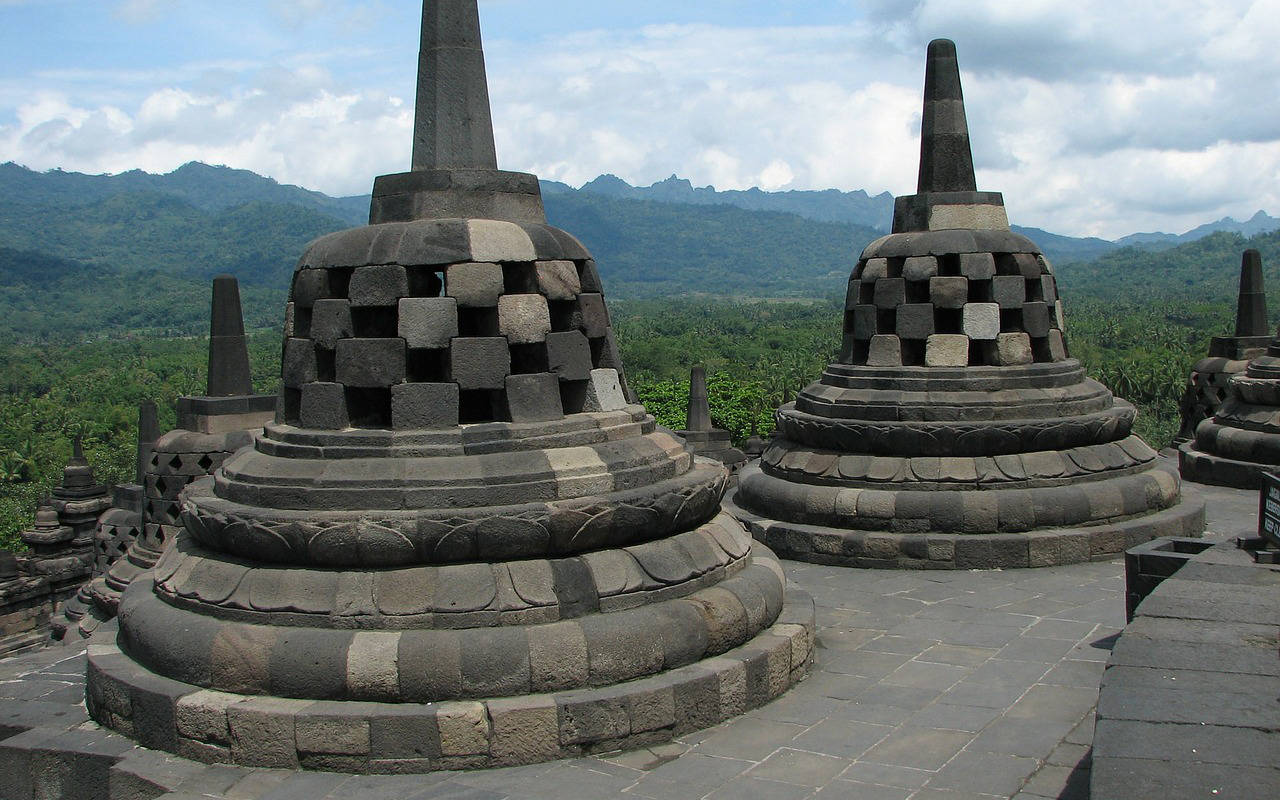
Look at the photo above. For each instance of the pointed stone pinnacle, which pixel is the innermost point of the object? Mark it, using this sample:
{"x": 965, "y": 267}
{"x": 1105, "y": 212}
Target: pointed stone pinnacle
{"x": 77, "y": 449}
{"x": 453, "y": 128}
{"x": 148, "y": 433}
{"x": 228, "y": 353}
{"x": 1251, "y": 310}
{"x": 946, "y": 160}
{"x": 699, "y": 416}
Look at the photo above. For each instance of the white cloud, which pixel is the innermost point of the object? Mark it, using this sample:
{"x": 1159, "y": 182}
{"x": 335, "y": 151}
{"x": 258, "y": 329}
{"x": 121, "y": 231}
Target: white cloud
{"x": 1093, "y": 117}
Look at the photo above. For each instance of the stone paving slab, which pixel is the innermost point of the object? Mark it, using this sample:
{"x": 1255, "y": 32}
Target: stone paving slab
{"x": 927, "y": 686}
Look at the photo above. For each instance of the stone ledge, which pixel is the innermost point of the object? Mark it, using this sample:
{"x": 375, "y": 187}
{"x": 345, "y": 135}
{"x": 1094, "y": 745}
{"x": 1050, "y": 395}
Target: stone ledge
{"x": 926, "y": 549}
{"x": 397, "y": 738}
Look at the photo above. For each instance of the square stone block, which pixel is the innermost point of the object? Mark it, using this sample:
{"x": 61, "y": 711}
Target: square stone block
{"x": 595, "y": 315}
{"x": 524, "y": 318}
{"x": 324, "y": 407}
{"x": 1009, "y": 349}
{"x": 416, "y": 406}
{"x": 1028, "y": 265}
{"x": 309, "y": 285}
{"x": 330, "y": 321}
{"x": 480, "y": 362}
{"x": 558, "y": 280}
{"x": 428, "y": 323}
{"x": 569, "y": 355}
{"x": 1048, "y": 288}
{"x": 299, "y": 362}
{"x": 981, "y": 320}
{"x": 1035, "y": 319}
{"x": 949, "y": 292}
{"x": 474, "y": 285}
{"x": 381, "y": 285}
{"x": 885, "y": 351}
{"x": 1057, "y": 346}
{"x": 1060, "y": 315}
{"x": 875, "y": 269}
{"x": 915, "y": 321}
{"x": 534, "y": 398}
{"x": 978, "y": 266}
{"x": 864, "y": 322}
{"x": 371, "y": 363}
{"x": 1009, "y": 291}
{"x": 498, "y": 240}
{"x": 590, "y": 278}
{"x": 920, "y": 268}
{"x": 604, "y": 391}
{"x": 890, "y": 292}
{"x": 946, "y": 350}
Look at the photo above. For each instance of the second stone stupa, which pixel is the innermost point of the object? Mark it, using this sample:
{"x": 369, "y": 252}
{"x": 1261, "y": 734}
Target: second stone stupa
{"x": 458, "y": 545}
{"x": 955, "y": 431}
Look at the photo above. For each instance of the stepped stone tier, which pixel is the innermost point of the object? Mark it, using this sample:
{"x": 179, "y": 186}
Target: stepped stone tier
{"x": 1228, "y": 355}
{"x": 1242, "y": 440}
{"x": 457, "y": 545}
{"x": 210, "y": 428}
{"x": 703, "y": 438}
{"x": 955, "y": 431}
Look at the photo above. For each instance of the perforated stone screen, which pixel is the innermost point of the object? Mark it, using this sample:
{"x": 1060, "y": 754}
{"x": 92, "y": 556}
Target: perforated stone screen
{"x": 435, "y": 323}
{"x": 953, "y": 310}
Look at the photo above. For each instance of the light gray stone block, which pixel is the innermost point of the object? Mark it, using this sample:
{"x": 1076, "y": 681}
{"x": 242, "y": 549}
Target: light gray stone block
{"x": 885, "y": 351}
{"x": 1010, "y": 349}
{"x": 428, "y": 322}
{"x": 946, "y": 350}
{"x": 981, "y": 321}
{"x": 604, "y": 391}
{"x": 1057, "y": 346}
{"x": 474, "y": 285}
{"x": 875, "y": 269}
{"x": 524, "y": 318}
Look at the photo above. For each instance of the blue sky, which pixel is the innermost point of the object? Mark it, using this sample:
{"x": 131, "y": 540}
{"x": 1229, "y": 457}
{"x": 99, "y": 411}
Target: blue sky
{"x": 1094, "y": 117}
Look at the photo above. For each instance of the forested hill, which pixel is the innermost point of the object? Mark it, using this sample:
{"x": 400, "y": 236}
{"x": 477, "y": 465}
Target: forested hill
{"x": 1204, "y": 270}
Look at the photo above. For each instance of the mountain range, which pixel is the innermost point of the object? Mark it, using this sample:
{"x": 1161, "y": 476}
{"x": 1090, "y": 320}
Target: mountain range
{"x": 153, "y": 242}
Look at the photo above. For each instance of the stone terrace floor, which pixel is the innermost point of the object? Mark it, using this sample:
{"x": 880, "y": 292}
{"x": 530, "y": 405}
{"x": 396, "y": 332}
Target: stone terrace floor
{"x": 927, "y": 686}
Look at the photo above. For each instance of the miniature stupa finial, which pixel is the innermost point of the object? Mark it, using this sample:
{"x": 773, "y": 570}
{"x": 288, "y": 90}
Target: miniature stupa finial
{"x": 228, "y": 352}
{"x": 1251, "y": 310}
{"x": 699, "y": 415}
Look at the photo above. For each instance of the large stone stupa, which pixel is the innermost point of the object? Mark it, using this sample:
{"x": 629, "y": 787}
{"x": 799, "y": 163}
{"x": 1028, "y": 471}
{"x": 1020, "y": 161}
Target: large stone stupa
{"x": 955, "y": 431}
{"x": 458, "y": 545}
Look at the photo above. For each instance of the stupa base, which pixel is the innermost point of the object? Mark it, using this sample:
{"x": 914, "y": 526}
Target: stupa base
{"x": 881, "y": 549}
{"x": 366, "y": 737}
{"x": 1213, "y": 470}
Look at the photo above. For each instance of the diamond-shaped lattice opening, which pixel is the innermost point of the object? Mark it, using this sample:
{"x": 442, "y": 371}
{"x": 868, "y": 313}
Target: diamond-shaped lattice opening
{"x": 176, "y": 462}
{"x": 205, "y": 462}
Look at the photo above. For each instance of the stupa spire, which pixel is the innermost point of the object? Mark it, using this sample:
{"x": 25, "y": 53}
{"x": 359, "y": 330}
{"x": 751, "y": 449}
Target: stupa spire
{"x": 946, "y": 159}
{"x": 228, "y": 353}
{"x": 698, "y": 417}
{"x": 453, "y": 128}
{"x": 1251, "y": 309}
{"x": 455, "y": 171}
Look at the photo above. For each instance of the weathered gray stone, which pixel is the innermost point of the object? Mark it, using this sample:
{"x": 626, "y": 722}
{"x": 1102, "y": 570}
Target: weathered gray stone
{"x": 981, "y": 321}
{"x": 428, "y": 322}
{"x": 474, "y": 285}
{"x": 480, "y": 362}
{"x": 523, "y": 318}
{"x": 424, "y": 405}
{"x": 947, "y": 350}
{"x": 558, "y": 280}
{"x": 886, "y": 351}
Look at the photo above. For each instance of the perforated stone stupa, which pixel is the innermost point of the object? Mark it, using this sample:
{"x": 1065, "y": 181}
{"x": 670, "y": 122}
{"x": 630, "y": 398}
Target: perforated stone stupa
{"x": 458, "y": 545}
{"x": 955, "y": 431}
{"x": 1228, "y": 355}
{"x": 1242, "y": 439}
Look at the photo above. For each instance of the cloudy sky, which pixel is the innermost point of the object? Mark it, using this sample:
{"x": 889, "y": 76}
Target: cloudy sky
{"x": 1094, "y": 117}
